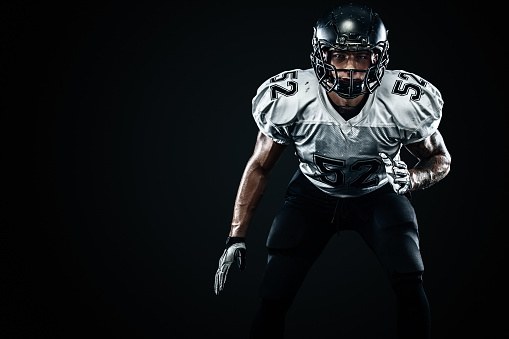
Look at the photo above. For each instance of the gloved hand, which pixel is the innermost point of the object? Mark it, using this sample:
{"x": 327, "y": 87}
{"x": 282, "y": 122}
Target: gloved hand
{"x": 235, "y": 251}
{"x": 397, "y": 173}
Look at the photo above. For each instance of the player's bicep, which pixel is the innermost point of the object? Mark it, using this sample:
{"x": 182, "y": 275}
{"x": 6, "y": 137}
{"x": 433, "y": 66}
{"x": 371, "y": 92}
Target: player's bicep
{"x": 429, "y": 147}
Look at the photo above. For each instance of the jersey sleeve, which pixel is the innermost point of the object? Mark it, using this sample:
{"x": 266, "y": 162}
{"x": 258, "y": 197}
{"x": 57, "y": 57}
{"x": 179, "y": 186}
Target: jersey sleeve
{"x": 421, "y": 108}
{"x": 274, "y": 114}
{"x": 429, "y": 115}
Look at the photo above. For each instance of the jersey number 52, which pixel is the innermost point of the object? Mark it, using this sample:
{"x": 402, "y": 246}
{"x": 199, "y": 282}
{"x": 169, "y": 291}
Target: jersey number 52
{"x": 276, "y": 90}
{"x": 403, "y": 88}
{"x": 332, "y": 171}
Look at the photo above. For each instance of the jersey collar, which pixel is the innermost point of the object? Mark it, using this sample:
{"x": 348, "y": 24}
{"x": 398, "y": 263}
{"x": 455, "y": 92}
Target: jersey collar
{"x": 327, "y": 105}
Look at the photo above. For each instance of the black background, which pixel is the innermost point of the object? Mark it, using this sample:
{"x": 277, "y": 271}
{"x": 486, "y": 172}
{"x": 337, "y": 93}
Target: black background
{"x": 126, "y": 128}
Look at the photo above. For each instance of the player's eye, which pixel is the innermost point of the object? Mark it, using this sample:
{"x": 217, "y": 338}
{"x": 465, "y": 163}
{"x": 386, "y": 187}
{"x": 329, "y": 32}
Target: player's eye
{"x": 338, "y": 56}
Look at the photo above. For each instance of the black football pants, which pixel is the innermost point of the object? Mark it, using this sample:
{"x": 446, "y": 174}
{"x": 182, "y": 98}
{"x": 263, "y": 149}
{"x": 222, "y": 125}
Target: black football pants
{"x": 301, "y": 229}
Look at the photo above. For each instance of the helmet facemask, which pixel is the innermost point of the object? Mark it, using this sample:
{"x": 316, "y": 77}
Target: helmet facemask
{"x": 327, "y": 73}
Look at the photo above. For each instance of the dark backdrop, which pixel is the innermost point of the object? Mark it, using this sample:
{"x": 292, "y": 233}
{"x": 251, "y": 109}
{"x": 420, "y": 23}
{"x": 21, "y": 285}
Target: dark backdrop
{"x": 126, "y": 129}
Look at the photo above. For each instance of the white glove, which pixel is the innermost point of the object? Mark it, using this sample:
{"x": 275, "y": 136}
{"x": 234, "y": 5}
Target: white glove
{"x": 397, "y": 173}
{"x": 235, "y": 251}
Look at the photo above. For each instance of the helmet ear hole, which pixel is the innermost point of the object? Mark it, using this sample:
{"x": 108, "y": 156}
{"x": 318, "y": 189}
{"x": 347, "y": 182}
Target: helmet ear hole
{"x": 375, "y": 56}
{"x": 325, "y": 55}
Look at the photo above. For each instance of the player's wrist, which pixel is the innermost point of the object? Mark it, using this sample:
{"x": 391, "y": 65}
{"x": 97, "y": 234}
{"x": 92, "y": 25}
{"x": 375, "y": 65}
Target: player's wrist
{"x": 234, "y": 240}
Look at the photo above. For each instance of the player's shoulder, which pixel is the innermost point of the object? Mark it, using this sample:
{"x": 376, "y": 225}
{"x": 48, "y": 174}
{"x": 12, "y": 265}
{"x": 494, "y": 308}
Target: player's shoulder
{"x": 408, "y": 97}
{"x": 281, "y": 95}
{"x": 406, "y": 87}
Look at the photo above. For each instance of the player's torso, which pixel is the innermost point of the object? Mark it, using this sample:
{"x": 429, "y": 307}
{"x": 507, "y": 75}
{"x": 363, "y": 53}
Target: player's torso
{"x": 342, "y": 157}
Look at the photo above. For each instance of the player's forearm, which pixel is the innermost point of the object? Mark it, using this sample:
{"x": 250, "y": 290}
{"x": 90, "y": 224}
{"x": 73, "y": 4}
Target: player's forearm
{"x": 429, "y": 171}
{"x": 252, "y": 186}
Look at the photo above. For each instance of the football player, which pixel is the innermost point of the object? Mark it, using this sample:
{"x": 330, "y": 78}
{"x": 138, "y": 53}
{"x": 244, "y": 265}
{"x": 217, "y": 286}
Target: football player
{"x": 348, "y": 118}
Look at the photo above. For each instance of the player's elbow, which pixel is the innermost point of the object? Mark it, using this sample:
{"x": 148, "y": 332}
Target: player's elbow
{"x": 446, "y": 162}
{"x": 262, "y": 169}
{"x": 443, "y": 167}
{"x": 257, "y": 168}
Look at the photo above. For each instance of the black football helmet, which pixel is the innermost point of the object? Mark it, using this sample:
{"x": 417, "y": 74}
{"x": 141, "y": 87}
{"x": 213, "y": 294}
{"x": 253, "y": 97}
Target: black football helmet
{"x": 349, "y": 28}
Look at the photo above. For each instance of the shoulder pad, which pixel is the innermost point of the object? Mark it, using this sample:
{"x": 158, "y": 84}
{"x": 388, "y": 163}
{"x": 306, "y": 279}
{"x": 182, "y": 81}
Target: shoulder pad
{"x": 281, "y": 97}
{"x": 415, "y": 104}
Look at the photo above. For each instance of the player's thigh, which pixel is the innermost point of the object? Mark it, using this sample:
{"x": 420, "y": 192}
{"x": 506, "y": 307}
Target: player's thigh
{"x": 393, "y": 234}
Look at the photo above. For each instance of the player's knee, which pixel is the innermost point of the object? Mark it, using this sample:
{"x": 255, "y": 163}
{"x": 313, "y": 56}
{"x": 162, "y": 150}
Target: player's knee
{"x": 277, "y": 298}
{"x": 278, "y": 305}
{"x": 397, "y": 278}
{"x": 405, "y": 258}
{"x": 282, "y": 277}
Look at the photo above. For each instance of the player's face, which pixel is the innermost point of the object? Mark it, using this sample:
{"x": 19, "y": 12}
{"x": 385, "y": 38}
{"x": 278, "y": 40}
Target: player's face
{"x": 346, "y": 60}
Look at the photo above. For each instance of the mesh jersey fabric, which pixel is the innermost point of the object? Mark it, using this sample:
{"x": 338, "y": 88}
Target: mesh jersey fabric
{"x": 342, "y": 157}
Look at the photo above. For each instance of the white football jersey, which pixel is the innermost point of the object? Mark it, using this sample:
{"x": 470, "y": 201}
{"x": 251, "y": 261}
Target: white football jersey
{"x": 342, "y": 157}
